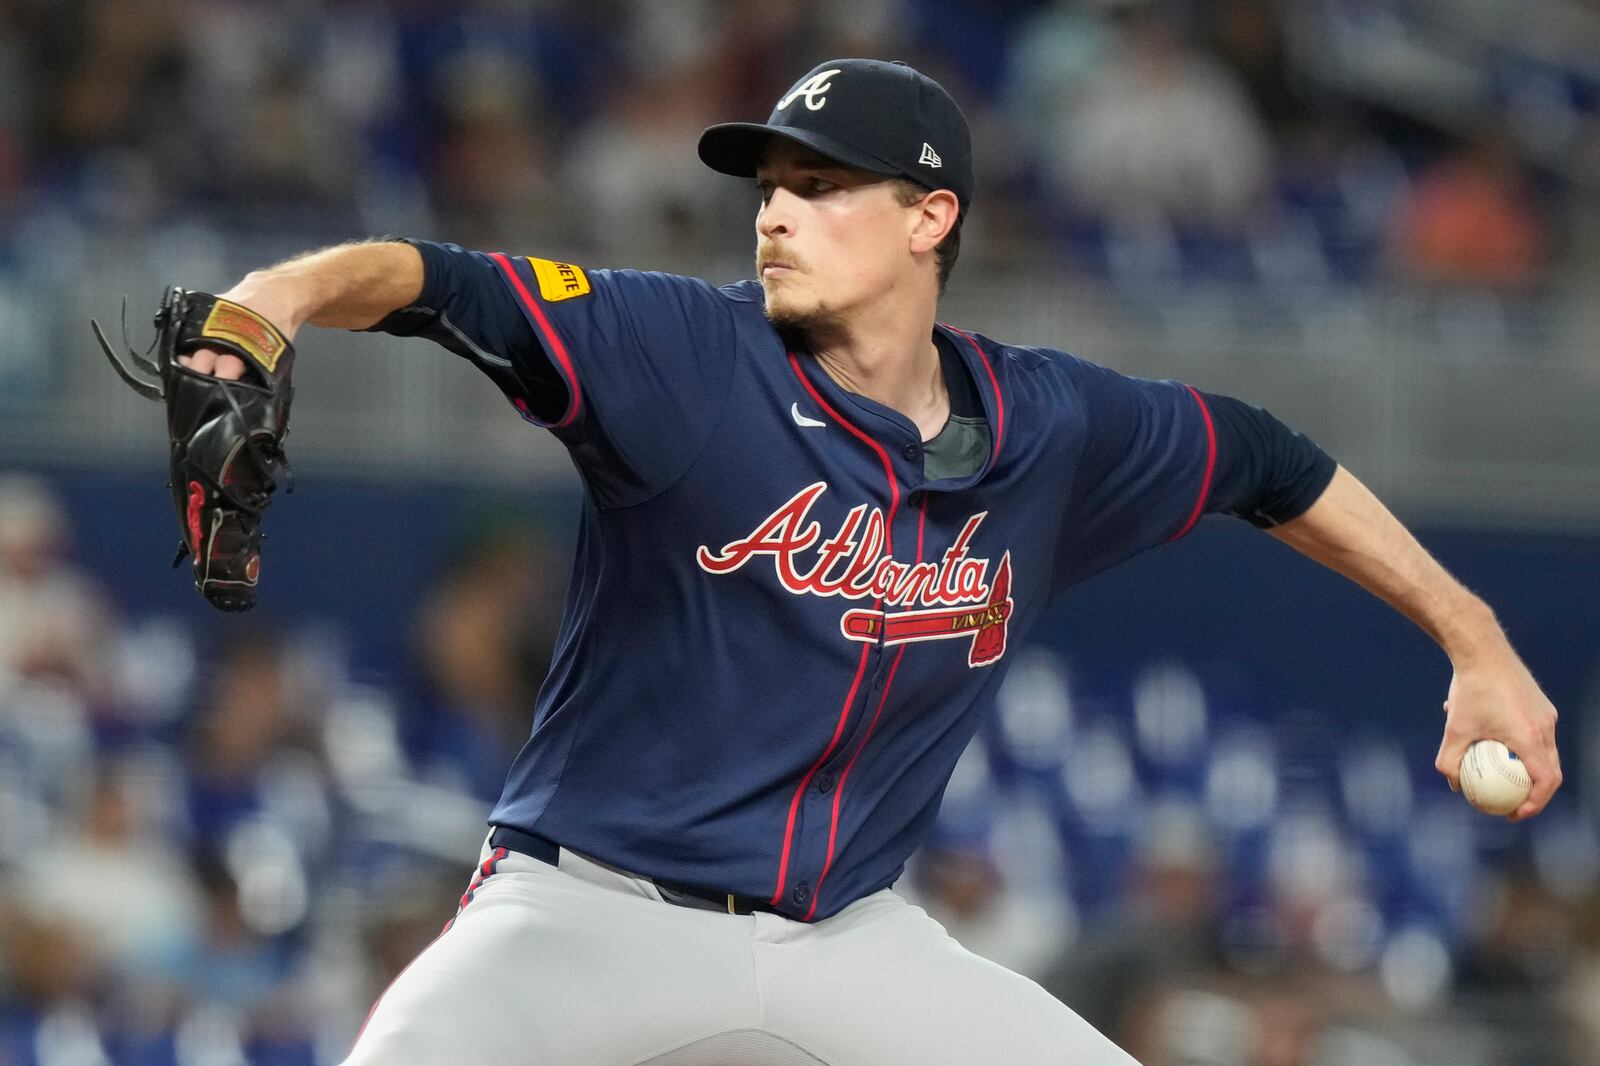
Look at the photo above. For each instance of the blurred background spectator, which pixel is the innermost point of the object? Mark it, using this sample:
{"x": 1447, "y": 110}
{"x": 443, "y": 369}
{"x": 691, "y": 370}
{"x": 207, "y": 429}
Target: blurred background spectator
{"x": 1204, "y": 811}
{"x": 1471, "y": 220}
{"x": 1160, "y": 134}
{"x": 54, "y": 623}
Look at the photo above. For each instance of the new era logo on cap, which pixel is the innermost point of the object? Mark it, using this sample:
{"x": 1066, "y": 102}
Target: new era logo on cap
{"x": 930, "y": 158}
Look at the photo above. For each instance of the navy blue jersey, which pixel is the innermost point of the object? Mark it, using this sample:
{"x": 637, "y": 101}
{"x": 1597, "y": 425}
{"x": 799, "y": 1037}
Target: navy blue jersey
{"x": 780, "y": 634}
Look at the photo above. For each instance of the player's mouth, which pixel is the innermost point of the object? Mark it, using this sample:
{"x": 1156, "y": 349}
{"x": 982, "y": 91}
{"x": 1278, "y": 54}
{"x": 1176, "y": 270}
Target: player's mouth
{"x": 770, "y": 264}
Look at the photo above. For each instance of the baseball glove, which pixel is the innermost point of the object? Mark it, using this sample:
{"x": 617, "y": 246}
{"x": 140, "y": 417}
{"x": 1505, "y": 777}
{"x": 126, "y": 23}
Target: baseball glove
{"x": 226, "y": 436}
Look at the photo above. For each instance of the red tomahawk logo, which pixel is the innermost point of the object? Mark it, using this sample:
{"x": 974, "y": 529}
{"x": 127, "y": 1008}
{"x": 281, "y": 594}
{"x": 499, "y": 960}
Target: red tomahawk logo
{"x": 986, "y": 622}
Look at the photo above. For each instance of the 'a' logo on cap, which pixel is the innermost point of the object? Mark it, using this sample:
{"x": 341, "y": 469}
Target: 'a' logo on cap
{"x": 813, "y": 89}
{"x": 930, "y": 158}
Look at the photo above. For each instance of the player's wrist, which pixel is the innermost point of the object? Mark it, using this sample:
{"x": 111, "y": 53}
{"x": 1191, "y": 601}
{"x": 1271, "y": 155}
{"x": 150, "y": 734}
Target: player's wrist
{"x": 276, "y": 297}
{"x": 1472, "y": 636}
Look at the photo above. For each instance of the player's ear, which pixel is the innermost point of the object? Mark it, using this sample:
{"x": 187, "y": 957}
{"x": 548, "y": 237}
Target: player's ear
{"x": 936, "y": 217}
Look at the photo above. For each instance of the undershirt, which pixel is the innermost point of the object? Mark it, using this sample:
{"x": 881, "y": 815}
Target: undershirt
{"x": 962, "y": 447}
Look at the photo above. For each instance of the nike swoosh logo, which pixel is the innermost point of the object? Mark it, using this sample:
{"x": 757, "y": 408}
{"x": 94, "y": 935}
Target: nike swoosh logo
{"x": 802, "y": 420}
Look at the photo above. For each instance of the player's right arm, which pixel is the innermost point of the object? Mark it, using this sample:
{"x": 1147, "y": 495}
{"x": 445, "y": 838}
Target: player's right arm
{"x": 1492, "y": 694}
{"x": 627, "y": 368}
{"x": 1157, "y": 455}
{"x": 349, "y": 286}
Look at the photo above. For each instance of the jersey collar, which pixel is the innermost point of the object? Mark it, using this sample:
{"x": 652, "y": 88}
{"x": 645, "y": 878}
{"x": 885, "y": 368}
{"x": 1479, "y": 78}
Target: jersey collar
{"x": 896, "y": 433}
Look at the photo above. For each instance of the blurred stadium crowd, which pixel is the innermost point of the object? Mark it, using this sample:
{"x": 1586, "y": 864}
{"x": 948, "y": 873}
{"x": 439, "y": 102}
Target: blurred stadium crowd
{"x": 1312, "y": 142}
{"x": 217, "y": 849}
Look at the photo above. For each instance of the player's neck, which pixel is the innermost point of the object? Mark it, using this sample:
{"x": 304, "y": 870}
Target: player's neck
{"x": 893, "y": 363}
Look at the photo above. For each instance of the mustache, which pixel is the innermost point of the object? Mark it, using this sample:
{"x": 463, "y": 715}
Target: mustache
{"x": 768, "y": 255}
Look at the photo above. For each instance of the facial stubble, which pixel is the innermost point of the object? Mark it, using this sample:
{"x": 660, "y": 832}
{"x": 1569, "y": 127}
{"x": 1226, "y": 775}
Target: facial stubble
{"x": 811, "y": 328}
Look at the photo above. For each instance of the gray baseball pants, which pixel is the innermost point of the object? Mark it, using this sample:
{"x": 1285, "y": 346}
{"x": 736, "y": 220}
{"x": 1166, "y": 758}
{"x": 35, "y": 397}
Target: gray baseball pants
{"x": 584, "y": 965}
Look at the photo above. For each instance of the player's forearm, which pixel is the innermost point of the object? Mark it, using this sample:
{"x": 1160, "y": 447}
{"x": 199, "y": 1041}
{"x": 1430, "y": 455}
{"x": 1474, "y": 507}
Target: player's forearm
{"x": 1349, "y": 530}
{"x": 349, "y": 286}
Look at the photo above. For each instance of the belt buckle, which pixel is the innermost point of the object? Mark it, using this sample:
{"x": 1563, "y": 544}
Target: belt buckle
{"x": 733, "y": 905}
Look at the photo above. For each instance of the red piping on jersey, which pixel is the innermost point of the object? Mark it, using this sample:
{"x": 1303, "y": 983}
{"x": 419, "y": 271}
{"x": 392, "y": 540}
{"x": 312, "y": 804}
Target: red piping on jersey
{"x": 1211, "y": 465}
{"x": 994, "y": 383}
{"x": 557, "y": 349}
{"x": 861, "y": 668}
{"x": 838, "y": 793}
{"x": 888, "y": 467}
{"x": 800, "y": 790}
{"x": 921, "y": 524}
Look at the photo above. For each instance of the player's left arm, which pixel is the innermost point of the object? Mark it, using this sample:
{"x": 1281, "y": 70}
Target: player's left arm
{"x": 1492, "y": 695}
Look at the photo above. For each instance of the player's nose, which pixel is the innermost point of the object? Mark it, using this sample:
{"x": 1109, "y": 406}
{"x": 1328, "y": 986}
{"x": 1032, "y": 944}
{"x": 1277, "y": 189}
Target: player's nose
{"x": 776, "y": 217}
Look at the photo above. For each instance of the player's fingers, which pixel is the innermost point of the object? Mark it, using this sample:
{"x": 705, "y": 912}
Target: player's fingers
{"x": 210, "y": 361}
{"x": 1451, "y": 769}
{"x": 1546, "y": 779}
{"x": 1451, "y": 748}
{"x": 1544, "y": 766}
{"x": 201, "y": 360}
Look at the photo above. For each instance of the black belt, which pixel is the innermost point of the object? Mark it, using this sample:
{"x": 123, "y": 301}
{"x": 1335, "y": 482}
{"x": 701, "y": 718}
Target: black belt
{"x": 548, "y": 851}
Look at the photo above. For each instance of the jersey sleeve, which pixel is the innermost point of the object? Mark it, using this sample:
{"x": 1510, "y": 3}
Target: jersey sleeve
{"x": 1145, "y": 469}
{"x": 1267, "y": 473}
{"x": 627, "y": 368}
{"x": 1158, "y": 455}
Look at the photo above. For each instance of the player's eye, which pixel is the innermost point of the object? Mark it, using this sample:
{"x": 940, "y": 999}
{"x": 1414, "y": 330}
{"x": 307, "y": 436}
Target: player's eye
{"x": 807, "y": 187}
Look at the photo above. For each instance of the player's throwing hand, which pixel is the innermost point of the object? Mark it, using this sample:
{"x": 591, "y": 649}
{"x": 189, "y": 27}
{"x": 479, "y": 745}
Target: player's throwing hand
{"x": 1494, "y": 697}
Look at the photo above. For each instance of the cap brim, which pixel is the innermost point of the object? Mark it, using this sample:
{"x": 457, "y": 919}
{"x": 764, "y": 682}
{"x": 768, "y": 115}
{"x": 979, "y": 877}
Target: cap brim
{"x": 735, "y": 148}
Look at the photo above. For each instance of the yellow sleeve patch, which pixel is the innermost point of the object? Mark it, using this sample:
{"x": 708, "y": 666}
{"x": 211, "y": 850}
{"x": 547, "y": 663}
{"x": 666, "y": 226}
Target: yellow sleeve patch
{"x": 258, "y": 337}
{"x": 559, "y": 281}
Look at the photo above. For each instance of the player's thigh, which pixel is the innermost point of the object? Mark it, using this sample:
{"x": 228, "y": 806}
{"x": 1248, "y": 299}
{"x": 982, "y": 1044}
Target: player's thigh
{"x": 544, "y": 969}
{"x": 451, "y": 1001}
{"x": 891, "y": 988}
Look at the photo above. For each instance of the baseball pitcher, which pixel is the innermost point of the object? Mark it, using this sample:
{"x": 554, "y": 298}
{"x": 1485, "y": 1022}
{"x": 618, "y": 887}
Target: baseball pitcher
{"x": 817, "y": 522}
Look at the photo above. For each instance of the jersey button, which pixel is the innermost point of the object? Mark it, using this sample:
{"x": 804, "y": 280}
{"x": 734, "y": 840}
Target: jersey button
{"x": 801, "y": 894}
{"x": 824, "y": 782}
{"x": 910, "y": 451}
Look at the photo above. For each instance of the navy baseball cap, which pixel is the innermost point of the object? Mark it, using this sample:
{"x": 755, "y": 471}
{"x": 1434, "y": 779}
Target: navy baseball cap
{"x": 884, "y": 117}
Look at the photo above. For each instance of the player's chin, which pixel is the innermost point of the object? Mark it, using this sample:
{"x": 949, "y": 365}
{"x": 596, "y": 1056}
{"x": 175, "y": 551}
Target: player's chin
{"x": 785, "y": 311}
{"x": 779, "y": 288}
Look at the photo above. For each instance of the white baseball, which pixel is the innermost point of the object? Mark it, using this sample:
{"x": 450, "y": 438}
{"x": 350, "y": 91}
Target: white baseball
{"x": 1493, "y": 779}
